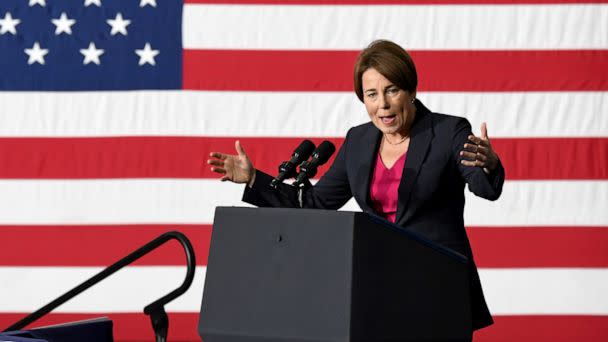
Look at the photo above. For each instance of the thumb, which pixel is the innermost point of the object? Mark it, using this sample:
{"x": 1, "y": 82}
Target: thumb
{"x": 239, "y": 149}
{"x": 484, "y": 131}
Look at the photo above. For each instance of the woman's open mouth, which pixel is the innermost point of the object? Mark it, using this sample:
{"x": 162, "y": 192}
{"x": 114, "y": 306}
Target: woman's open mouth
{"x": 387, "y": 120}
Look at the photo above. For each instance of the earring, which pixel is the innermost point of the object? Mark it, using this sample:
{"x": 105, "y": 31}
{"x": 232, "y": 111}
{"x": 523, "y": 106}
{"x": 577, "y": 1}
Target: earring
{"x": 413, "y": 100}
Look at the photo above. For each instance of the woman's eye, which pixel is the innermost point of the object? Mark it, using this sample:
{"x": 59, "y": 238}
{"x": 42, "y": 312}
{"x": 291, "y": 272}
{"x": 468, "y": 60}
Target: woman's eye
{"x": 371, "y": 95}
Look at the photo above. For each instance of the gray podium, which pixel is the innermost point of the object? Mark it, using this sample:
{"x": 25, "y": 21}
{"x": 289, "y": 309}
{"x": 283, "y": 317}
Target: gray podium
{"x": 314, "y": 275}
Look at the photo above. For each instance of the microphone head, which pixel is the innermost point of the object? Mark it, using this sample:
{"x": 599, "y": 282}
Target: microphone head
{"x": 323, "y": 152}
{"x": 303, "y": 151}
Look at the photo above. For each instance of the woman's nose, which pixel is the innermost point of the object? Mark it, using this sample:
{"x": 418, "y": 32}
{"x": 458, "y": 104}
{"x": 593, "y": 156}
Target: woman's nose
{"x": 383, "y": 102}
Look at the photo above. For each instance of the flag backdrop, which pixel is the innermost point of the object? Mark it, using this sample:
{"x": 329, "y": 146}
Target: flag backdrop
{"x": 105, "y": 126}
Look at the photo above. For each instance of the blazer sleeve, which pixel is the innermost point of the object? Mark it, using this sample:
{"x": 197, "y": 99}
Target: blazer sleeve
{"x": 332, "y": 191}
{"x": 488, "y": 186}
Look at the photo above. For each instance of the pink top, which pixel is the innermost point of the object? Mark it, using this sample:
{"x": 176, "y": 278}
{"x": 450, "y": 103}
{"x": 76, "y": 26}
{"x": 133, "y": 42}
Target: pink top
{"x": 384, "y": 187}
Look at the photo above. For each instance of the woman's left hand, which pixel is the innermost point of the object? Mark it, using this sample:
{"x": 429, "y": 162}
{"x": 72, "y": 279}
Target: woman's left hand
{"x": 478, "y": 152}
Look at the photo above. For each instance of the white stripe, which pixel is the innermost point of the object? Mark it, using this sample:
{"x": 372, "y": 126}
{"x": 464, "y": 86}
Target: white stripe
{"x": 456, "y": 27}
{"x": 305, "y": 114}
{"x": 542, "y": 203}
{"x": 524, "y": 203}
{"x": 535, "y": 291}
{"x": 25, "y": 289}
{"x": 507, "y": 291}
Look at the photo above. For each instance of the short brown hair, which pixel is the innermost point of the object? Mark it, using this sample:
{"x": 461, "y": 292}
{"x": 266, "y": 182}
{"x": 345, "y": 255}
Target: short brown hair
{"x": 390, "y": 60}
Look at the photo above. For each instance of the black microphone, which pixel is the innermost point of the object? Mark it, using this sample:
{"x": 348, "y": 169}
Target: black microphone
{"x": 320, "y": 156}
{"x": 287, "y": 169}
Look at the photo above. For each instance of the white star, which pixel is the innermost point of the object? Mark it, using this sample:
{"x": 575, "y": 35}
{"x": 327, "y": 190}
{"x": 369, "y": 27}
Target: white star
{"x": 88, "y": 3}
{"x": 8, "y": 24}
{"x": 91, "y": 54}
{"x": 143, "y": 3}
{"x": 146, "y": 55}
{"x": 36, "y": 54}
{"x": 63, "y": 24}
{"x": 119, "y": 25}
{"x": 39, "y": 2}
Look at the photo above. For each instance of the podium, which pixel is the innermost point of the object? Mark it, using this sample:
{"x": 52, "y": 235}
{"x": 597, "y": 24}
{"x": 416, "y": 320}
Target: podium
{"x": 277, "y": 274}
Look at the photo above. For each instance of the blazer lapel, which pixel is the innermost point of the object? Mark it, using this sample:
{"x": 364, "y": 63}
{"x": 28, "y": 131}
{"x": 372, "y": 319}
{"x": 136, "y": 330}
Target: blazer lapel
{"x": 420, "y": 141}
{"x": 367, "y": 148}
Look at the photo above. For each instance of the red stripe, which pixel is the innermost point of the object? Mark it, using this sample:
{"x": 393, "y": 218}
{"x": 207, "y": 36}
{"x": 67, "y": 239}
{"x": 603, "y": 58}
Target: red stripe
{"x": 184, "y": 157}
{"x": 553, "y": 158}
{"x": 545, "y": 328}
{"x": 183, "y": 327}
{"x": 132, "y": 157}
{"x": 494, "y": 247}
{"x": 518, "y": 247}
{"x": 391, "y": 2}
{"x": 97, "y": 245}
{"x": 479, "y": 71}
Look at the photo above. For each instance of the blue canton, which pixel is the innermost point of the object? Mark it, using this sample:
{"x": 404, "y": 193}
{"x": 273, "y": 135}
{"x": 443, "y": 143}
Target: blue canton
{"x": 71, "y": 45}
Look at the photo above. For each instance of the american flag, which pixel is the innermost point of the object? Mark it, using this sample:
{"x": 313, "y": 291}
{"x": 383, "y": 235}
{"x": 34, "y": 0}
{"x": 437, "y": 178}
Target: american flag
{"x": 109, "y": 109}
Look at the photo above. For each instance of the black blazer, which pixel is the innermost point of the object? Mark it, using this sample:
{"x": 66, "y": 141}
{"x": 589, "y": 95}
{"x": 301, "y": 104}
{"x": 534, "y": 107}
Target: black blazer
{"x": 431, "y": 193}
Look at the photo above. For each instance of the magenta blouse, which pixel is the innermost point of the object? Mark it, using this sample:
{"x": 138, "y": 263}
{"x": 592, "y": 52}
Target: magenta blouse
{"x": 384, "y": 187}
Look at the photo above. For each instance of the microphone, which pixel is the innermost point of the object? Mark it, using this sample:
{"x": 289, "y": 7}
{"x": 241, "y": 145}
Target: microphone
{"x": 320, "y": 156}
{"x": 287, "y": 169}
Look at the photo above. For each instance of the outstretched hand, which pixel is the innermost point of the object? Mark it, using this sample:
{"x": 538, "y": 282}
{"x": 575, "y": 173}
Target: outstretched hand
{"x": 235, "y": 168}
{"x": 478, "y": 152}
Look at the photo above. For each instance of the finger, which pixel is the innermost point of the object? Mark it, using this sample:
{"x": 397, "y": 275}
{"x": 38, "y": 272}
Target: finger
{"x": 215, "y": 162}
{"x": 471, "y": 147}
{"x": 218, "y": 155}
{"x": 481, "y": 157}
{"x": 467, "y": 162}
{"x": 218, "y": 170}
{"x": 239, "y": 149}
{"x": 478, "y": 141}
{"x": 484, "y": 143}
{"x": 468, "y": 155}
{"x": 477, "y": 148}
{"x": 474, "y": 139}
{"x": 475, "y": 163}
{"x": 484, "y": 131}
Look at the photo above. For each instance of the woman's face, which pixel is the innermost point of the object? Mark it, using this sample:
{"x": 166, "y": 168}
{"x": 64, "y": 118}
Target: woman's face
{"x": 389, "y": 107}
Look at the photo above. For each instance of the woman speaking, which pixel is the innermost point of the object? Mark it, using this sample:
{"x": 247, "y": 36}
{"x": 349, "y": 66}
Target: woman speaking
{"x": 408, "y": 165}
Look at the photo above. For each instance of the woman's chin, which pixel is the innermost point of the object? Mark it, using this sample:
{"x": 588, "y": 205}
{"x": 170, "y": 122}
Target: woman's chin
{"x": 386, "y": 129}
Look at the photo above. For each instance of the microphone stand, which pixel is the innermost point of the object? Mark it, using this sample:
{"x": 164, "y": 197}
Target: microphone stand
{"x": 156, "y": 309}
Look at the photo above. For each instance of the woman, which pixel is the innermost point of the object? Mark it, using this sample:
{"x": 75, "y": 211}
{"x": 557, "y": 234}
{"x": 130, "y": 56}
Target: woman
{"x": 408, "y": 164}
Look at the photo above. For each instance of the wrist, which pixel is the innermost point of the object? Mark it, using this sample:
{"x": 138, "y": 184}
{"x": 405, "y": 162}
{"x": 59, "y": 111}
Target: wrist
{"x": 251, "y": 179}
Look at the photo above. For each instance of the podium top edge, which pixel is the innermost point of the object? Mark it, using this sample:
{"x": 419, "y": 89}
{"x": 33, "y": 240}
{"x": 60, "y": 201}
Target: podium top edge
{"x": 417, "y": 237}
{"x": 374, "y": 218}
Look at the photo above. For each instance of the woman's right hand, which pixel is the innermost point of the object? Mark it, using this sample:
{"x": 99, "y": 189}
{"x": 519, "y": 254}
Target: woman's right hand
{"x": 235, "y": 168}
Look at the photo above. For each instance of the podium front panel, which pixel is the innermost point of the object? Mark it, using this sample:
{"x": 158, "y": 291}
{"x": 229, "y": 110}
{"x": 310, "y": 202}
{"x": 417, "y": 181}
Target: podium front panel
{"x": 278, "y": 275}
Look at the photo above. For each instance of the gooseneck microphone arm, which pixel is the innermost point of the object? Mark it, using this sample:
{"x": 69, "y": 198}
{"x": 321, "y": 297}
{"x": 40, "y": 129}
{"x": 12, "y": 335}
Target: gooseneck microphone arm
{"x": 156, "y": 310}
